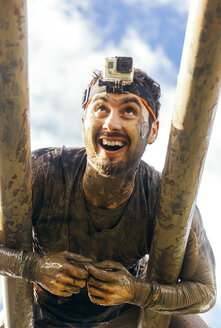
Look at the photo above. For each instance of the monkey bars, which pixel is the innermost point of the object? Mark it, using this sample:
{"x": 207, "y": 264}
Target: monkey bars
{"x": 196, "y": 99}
{"x": 15, "y": 163}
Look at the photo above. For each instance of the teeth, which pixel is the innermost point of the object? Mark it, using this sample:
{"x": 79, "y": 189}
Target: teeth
{"x": 112, "y": 143}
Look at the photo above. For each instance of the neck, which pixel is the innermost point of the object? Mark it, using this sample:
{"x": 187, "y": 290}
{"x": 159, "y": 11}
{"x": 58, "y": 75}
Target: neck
{"x": 107, "y": 192}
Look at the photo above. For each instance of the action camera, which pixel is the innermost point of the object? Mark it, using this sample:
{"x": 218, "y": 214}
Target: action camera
{"x": 119, "y": 70}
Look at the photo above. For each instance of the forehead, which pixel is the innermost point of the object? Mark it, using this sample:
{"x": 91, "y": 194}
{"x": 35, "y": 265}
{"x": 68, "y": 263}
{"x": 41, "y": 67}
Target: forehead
{"x": 116, "y": 97}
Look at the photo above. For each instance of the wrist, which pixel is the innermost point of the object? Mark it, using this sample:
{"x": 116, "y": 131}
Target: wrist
{"x": 155, "y": 294}
{"x": 29, "y": 261}
{"x": 142, "y": 292}
{"x": 147, "y": 294}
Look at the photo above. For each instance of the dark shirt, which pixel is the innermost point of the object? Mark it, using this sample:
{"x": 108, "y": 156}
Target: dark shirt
{"x": 62, "y": 221}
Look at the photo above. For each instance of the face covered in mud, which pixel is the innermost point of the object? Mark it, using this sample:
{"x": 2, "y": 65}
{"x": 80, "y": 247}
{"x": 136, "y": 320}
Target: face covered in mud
{"x": 116, "y": 132}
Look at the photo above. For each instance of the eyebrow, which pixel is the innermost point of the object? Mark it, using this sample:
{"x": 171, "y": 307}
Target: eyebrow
{"x": 100, "y": 98}
{"x": 124, "y": 101}
{"x": 129, "y": 100}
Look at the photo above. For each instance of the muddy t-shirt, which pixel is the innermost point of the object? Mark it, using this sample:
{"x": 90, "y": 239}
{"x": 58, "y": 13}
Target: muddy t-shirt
{"x": 62, "y": 221}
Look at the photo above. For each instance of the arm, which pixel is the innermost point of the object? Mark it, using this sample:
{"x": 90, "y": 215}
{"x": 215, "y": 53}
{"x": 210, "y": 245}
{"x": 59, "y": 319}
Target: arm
{"x": 17, "y": 264}
{"x": 61, "y": 273}
{"x": 195, "y": 292}
{"x": 14, "y": 263}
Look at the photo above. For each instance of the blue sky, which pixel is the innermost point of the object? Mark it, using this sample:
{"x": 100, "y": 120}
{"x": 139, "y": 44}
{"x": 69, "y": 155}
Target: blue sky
{"x": 70, "y": 38}
{"x": 152, "y": 24}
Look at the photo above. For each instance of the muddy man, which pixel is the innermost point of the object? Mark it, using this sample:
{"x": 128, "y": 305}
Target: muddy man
{"x": 93, "y": 217}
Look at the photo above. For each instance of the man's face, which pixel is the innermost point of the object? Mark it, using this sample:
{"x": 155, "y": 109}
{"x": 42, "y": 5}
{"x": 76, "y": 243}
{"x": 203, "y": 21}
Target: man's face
{"x": 116, "y": 132}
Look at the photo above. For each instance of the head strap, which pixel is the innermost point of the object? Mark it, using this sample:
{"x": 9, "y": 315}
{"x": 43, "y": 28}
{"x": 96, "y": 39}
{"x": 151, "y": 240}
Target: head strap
{"x": 136, "y": 87}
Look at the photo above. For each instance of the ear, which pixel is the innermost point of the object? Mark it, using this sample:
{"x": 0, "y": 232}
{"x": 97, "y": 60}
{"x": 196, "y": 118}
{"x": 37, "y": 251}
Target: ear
{"x": 83, "y": 117}
{"x": 154, "y": 132}
{"x": 83, "y": 123}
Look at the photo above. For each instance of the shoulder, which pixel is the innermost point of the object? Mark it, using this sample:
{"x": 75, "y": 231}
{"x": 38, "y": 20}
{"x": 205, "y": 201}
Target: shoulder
{"x": 45, "y": 155}
{"x": 73, "y": 155}
{"x": 149, "y": 181}
{"x": 52, "y": 159}
{"x": 150, "y": 172}
{"x": 52, "y": 154}
{"x": 150, "y": 178}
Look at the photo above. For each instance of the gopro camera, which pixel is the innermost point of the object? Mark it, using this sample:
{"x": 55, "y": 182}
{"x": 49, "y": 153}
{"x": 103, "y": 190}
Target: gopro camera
{"x": 118, "y": 77}
{"x": 119, "y": 71}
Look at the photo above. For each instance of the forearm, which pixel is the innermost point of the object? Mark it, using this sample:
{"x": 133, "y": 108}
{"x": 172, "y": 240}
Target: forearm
{"x": 196, "y": 291}
{"x": 17, "y": 264}
{"x": 180, "y": 298}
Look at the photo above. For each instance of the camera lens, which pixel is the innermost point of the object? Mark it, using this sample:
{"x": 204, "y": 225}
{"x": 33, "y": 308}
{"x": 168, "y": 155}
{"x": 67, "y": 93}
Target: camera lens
{"x": 124, "y": 64}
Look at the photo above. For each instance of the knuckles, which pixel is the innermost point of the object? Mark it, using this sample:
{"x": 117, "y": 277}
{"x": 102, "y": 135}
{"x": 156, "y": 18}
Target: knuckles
{"x": 64, "y": 278}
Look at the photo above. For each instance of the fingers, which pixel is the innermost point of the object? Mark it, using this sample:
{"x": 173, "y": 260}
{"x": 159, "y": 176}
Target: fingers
{"x": 97, "y": 300}
{"x": 77, "y": 265}
{"x": 65, "y": 288}
{"x": 99, "y": 296}
{"x": 114, "y": 266}
{"x": 101, "y": 274}
{"x": 64, "y": 292}
{"x": 57, "y": 275}
{"x": 97, "y": 292}
{"x": 59, "y": 288}
{"x": 76, "y": 271}
{"x": 100, "y": 285}
{"x": 71, "y": 281}
{"x": 107, "y": 271}
{"x": 77, "y": 257}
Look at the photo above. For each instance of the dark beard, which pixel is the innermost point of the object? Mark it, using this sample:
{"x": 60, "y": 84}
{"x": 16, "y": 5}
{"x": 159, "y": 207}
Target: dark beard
{"x": 125, "y": 167}
{"x": 114, "y": 170}
{"x": 111, "y": 170}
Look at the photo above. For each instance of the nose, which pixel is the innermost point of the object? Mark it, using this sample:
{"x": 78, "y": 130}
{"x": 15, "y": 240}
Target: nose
{"x": 112, "y": 122}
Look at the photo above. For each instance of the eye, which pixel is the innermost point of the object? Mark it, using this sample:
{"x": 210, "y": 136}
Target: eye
{"x": 129, "y": 111}
{"x": 101, "y": 109}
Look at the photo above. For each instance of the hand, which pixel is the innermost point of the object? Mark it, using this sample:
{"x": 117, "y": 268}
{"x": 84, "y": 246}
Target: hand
{"x": 111, "y": 284}
{"x": 62, "y": 274}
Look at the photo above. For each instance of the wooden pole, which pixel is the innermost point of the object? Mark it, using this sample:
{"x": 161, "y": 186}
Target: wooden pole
{"x": 196, "y": 100}
{"x": 15, "y": 163}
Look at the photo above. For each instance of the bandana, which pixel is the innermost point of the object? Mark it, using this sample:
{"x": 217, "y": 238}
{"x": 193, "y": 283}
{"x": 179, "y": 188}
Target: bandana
{"x": 136, "y": 87}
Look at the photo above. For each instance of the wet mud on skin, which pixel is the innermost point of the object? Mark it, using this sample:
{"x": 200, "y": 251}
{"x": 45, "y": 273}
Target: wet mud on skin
{"x": 53, "y": 231}
{"x": 111, "y": 191}
{"x": 107, "y": 192}
{"x": 127, "y": 242}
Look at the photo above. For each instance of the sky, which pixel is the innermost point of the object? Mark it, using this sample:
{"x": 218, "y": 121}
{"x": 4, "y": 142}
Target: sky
{"x": 68, "y": 39}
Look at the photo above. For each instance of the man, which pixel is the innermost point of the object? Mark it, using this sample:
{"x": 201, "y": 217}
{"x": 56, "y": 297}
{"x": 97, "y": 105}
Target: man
{"x": 93, "y": 218}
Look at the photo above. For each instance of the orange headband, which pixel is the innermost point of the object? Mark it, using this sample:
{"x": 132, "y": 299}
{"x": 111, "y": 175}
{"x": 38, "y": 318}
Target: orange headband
{"x": 143, "y": 101}
{"x": 148, "y": 107}
{"x": 88, "y": 103}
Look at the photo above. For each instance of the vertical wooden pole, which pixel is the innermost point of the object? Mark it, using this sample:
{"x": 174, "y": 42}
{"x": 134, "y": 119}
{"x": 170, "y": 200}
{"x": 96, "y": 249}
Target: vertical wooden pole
{"x": 15, "y": 164}
{"x": 196, "y": 100}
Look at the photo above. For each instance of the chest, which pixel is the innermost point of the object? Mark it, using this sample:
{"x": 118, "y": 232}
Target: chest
{"x": 126, "y": 242}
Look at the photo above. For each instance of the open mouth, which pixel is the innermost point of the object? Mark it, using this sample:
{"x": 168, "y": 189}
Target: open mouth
{"x": 112, "y": 145}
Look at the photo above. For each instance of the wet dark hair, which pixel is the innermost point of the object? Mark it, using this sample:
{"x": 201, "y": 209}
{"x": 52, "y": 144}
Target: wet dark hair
{"x": 149, "y": 84}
